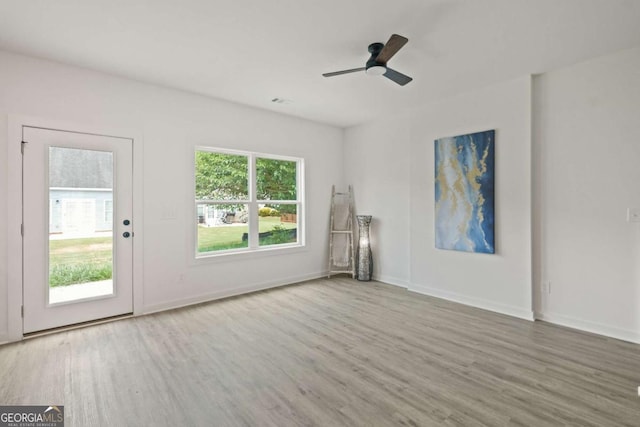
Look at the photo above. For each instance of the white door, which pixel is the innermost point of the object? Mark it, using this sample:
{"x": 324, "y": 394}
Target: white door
{"x": 79, "y": 271}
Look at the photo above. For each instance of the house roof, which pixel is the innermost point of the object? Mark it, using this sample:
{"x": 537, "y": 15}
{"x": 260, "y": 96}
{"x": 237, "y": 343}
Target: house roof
{"x": 73, "y": 168}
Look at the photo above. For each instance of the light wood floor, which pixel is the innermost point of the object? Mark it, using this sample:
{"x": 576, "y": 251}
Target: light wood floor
{"x": 328, "y": 353}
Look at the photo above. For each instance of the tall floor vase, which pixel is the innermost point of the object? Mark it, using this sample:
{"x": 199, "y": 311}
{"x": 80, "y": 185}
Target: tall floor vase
{"x": 365, "y": 261}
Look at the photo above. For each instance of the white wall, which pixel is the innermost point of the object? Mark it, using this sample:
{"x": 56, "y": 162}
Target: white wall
{"x": 587, "y": 131}
{"x": 172, "y": 123}
{"x": 392, "y": 167}
{"x": 377, "y": 165}
{"x": 501, "y": 281}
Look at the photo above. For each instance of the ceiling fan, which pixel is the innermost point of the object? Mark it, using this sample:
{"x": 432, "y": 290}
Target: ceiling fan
{"x": 377, "y": 63}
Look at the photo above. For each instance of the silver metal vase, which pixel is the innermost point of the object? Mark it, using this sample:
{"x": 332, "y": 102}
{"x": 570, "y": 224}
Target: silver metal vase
{"x": 365, "y": 261}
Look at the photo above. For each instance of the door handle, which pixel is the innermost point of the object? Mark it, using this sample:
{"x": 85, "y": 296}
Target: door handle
{"x": 126, "y": 234}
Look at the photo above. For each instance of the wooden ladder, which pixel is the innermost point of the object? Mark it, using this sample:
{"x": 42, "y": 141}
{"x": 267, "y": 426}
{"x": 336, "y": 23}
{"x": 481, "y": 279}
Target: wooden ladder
{"x": 337, "y": 265}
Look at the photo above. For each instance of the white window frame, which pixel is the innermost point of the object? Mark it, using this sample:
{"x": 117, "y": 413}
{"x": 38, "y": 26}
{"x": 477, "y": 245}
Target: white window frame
{"x": 253, "y": 204}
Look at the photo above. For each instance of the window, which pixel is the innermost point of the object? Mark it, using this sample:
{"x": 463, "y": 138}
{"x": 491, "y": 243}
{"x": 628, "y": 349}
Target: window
{"x": 246, "y": 201}
{"x": 108, "y": 212}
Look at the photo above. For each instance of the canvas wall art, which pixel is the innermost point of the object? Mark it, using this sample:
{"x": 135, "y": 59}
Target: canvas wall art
{"x": 464, "y": 191}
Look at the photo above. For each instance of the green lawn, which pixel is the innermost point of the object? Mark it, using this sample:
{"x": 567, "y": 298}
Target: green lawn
{"x": 230, "y": 236}
{"x": 79, "y": 260}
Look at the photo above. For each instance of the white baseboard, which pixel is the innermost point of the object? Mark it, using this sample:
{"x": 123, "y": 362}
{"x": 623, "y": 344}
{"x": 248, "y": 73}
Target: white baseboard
{"x": 588, "y": 326}
{"x": 7, "y": 337}
{"x": 226, "y": 293}
{"x": 391, "y": 281}
{"x": 475, "y": 302}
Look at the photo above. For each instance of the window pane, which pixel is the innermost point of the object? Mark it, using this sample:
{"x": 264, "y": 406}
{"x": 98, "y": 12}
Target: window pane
{"x": 278, "y": 224}
{"x": 80, "y": 236}
{"x": 222, "y": 227}
{"x": 108, "y": 213}
{"x": 227, "y": 202}
{"x": 221, "y": 176}
{"x": 276, "y": 179}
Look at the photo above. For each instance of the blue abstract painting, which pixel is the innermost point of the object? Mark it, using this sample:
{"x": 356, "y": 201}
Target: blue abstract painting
{"x": 464, "y": 178}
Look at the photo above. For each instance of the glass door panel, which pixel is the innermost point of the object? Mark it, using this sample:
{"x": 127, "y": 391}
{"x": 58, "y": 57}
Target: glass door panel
{"x": 80, "y": 224}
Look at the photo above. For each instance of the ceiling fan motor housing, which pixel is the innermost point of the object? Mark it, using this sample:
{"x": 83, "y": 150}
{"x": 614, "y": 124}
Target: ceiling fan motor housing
{"x": 374, "y": 49}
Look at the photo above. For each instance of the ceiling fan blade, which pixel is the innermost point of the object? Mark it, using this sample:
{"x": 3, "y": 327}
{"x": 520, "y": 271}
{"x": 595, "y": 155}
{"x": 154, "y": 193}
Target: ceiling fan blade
{"x": 394, "y": 44}
{"x": 337, "y": 73}
{"x": 397, "y": 77}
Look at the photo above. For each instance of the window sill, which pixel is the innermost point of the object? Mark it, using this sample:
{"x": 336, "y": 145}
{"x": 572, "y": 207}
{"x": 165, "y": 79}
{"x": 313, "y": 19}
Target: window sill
{"x": 233, "y": 255}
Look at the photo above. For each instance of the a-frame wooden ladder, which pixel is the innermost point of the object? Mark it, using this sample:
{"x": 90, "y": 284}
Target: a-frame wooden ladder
{"x": 341, "y": 248}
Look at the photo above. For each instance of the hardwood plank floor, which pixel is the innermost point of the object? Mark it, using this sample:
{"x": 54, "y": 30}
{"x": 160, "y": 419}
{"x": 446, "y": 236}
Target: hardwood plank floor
{"x": 327, "y": 353}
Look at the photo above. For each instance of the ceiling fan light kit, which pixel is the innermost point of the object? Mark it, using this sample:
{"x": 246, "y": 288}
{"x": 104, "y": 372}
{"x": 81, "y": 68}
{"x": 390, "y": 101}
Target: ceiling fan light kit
{"x": 376, "y": 70}
{"x": 377, "y": 63}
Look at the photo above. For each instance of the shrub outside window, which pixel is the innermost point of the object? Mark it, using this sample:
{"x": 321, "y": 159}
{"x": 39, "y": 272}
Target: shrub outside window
{"x": 246, "y": 201}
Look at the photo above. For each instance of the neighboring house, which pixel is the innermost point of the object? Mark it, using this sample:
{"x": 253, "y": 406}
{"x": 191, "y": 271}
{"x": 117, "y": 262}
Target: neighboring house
{"x": 80, "y": 191}
{"x": 209, "y": 216}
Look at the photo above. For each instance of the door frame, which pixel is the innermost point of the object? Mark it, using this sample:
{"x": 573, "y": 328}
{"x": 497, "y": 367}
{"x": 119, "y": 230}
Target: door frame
{"x": 15, "y": 298}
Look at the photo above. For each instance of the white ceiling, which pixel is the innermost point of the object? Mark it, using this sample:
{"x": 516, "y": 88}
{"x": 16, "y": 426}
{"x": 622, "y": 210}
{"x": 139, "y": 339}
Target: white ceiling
{"x": 251, "y": 51}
